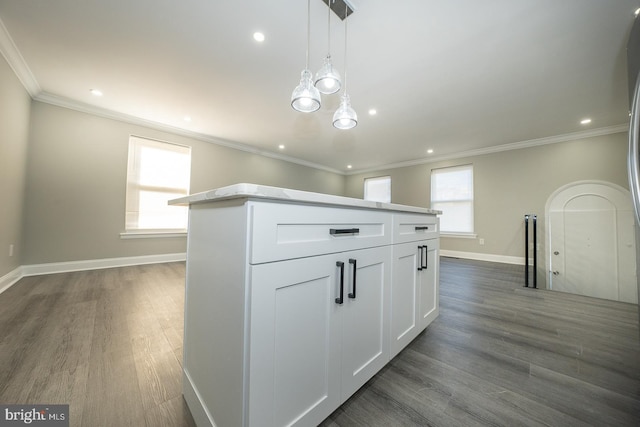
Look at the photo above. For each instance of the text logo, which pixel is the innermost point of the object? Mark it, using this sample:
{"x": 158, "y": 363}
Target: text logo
{"x": 34, "y": 415}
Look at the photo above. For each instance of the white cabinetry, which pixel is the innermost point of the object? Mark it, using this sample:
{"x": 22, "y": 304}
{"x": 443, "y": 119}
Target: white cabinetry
{"x": 271, "y": 337}
{"x": 312, "y": 349}
{"x": 415, "y": 282}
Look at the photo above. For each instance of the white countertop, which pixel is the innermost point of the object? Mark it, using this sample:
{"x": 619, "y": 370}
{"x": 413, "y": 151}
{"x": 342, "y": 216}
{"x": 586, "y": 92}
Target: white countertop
{"x": 254, "y": 191}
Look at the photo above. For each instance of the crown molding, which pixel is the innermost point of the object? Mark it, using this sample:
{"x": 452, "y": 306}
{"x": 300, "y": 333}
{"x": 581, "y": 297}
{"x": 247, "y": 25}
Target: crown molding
{"x": 609, "y": 130}
{"x": 70, "y": 104}
{"x": 17, "y": 63}
{"x": 109, "y": 114}
{"x": 14, "y": 58}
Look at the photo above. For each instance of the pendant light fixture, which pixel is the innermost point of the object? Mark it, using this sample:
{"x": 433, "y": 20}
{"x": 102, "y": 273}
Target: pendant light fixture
{"x": 305, "y": 97}
{"x": 345, "y": 117}
{"x": 328, "y": 78}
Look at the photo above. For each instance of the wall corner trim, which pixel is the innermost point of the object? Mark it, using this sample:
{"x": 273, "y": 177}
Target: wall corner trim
{"x": 14, "y": 58}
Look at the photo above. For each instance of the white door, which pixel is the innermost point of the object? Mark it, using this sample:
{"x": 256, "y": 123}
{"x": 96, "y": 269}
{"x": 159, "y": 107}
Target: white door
{"x": 592, "y": 241}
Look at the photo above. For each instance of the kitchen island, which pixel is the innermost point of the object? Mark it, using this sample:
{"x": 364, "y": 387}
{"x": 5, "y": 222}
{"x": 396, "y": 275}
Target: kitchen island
{"x": 295, "y": 299}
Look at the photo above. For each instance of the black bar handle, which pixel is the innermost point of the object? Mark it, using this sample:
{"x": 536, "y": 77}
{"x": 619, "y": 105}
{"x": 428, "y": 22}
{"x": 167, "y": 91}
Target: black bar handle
{"x": 426, "y": 257}
{"x": 355, "y": 267}
{"x": 535, "y": 253}
{"x": 419, "y": 258}
{"x": 526, "y": 251}
{"x": 339, "y": 231}
{"x": 340, "y": 298}
{"x": 426, "y": 227}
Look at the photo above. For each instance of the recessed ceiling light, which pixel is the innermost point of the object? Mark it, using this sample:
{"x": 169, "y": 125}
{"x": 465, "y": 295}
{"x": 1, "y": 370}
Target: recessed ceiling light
{"x": 349, "y": 166}
{"x": 281, "y": 146}
{"x": 430, "y": 151}
{"x": 258, "y": 36}
{"x": 373, "y": 112}
{"x": 96, "y": 92}
{"x": 637, "y": 12}
{"x": 585, "y": 121}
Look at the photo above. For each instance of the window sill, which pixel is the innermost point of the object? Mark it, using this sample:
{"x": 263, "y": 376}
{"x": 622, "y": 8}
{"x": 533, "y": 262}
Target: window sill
{"x": 152, "y": 234}
{"x": 459, "y": 235}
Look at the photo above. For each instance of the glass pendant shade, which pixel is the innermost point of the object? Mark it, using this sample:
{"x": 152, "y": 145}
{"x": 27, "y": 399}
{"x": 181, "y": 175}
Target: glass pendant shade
{"x": 328, "y": 78}
{"x": 345, "y": 117}
{"x": 305, "y": 97}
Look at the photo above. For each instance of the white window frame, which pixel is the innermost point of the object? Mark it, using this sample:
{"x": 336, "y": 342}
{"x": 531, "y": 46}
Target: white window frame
{"x": 443, "y": 197}
{"x": 372, "y": 186}
{"x": 134, "y": 211}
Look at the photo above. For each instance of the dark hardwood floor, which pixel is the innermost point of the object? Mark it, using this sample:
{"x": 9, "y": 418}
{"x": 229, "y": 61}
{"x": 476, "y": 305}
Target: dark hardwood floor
{"x": 503, "y": 355}
{"x": 109, "y": 343}
{"x": 106, "y": 342}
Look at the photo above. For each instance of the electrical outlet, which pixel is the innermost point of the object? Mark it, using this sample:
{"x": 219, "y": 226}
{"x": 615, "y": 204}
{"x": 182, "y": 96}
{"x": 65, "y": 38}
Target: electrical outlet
{"x": 11, "y": 250}
{"x": 481, "y": 242}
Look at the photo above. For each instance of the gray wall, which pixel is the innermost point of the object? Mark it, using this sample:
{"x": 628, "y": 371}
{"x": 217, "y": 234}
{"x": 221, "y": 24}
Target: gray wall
{"x": 67, "y": 204}
{"x": 74, "y": 204}
{"x": 509, "y": 184}
{"x": 15, "y": 106}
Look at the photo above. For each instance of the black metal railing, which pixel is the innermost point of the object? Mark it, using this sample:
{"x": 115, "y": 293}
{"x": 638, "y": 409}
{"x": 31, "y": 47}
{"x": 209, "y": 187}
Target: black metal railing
{"x": 526, "y": 249}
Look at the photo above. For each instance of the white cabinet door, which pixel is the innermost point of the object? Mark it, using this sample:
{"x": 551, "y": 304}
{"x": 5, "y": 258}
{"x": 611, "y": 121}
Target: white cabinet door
{"x": 404, "y": 293}
{"x": 309, "y": 353}
{"x": 414, "y": 290}
{"x": 429, "y": 290}
{"x": 365, "y": 316}
{"x": 294, "y": 376}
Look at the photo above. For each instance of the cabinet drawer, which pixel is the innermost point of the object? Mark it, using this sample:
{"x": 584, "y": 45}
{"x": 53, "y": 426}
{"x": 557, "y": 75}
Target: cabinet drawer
{"x": 411, "y": 227}
{"x": 281, "y": 231}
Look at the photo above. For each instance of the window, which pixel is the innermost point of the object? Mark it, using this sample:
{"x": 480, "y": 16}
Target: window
{"x": 378, "y": 189}
{"x": 157, "y": 172}
{"x": 452, "y": 193}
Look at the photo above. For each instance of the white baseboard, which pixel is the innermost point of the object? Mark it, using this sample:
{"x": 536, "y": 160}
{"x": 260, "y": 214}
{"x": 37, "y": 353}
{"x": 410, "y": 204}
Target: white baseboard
{"x": 96, "y": 264}
{"x": 8, "y": 280}
{"x": 483, "y": 257}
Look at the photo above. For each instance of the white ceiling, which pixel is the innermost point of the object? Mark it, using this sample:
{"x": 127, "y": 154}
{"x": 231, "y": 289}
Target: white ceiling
{"x": 452, "y": 76}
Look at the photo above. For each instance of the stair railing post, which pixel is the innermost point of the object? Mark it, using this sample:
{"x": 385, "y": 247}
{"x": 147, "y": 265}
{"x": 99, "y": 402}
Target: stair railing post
{"x": 526, "y": 251}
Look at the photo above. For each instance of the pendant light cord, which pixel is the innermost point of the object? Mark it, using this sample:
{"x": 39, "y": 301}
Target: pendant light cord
{"x": 308, "y": 31}
{"x": 329, "y": 28}
{"x": 346, "y": 10}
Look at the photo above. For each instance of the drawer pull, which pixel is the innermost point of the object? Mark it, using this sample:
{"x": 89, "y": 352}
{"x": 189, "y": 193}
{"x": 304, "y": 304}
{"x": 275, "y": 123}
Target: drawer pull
{"x": 340, "y": 231}
{"x": 355, "y": 267}
{"x": 340, "y": 298}
{"x": 422, "y": 228}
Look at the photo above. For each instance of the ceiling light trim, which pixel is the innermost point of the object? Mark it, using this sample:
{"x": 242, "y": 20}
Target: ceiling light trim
{"x": 609, "y": 130}
{"x": 17, "y": 63}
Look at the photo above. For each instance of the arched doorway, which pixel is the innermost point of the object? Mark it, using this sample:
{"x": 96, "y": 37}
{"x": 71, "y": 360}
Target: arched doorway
{"x": 591, "y": 233}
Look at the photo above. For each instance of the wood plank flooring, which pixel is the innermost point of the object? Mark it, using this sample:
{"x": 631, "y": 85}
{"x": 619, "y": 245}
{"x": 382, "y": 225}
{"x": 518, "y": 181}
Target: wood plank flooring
{"x": 109, "y": 343}
{"x": 106, "y": 342}
{"x": 503, "y": 355}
